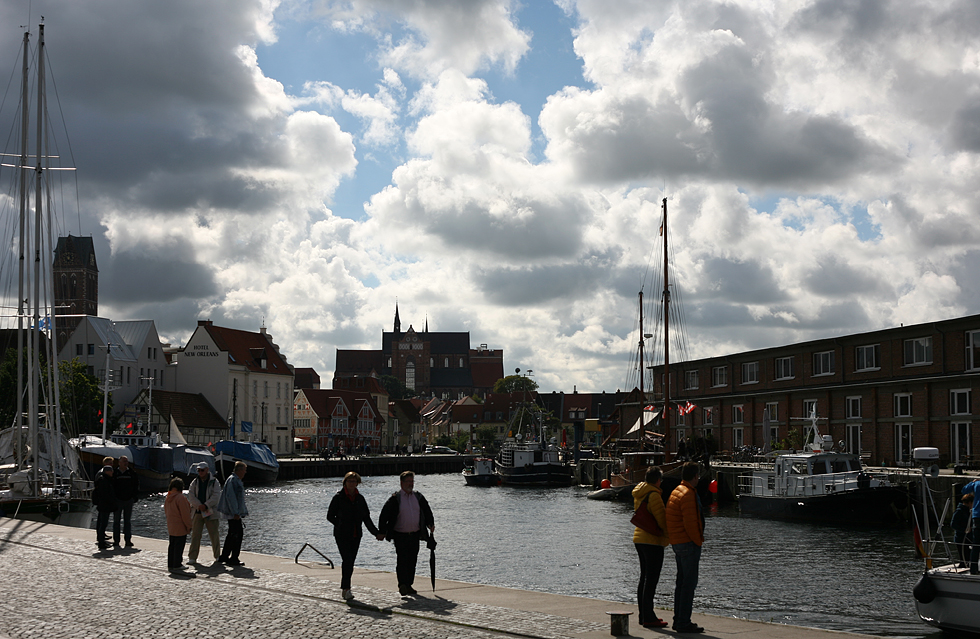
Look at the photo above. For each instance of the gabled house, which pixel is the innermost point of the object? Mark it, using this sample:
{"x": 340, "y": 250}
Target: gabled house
{"x": 330, "y": 419}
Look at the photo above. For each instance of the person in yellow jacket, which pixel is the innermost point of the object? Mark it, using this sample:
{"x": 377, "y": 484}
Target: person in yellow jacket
{"x": 685, "y": 526}
{"x": 649, "y": 546}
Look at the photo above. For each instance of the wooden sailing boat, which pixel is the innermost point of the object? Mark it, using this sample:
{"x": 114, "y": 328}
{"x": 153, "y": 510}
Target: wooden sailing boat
{"x": 39, "y": 469}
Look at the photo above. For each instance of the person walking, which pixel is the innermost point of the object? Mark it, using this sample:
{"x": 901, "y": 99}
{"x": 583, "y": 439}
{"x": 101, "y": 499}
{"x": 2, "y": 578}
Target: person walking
{"x": 203, "y": 495}
{"x": 347, "y": 510}
{"x": 231, "y": 506}
{"x": 405, "y": 519}
{"x": 126, "y": 484}
{"x": 650, "y": 545}
{"x": 178, "y": 512}
{"x": 685, "y": 528}
{"x": 104, "y": 498}
{"x": 971, "y": 489}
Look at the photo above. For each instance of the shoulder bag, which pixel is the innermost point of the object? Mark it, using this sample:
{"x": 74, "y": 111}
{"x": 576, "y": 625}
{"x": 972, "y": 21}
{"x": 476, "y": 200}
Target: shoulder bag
{"x": 644, "y": 520}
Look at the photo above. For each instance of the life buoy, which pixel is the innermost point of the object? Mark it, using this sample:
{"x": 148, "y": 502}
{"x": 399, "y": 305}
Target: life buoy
{"x": 924, "y": 590}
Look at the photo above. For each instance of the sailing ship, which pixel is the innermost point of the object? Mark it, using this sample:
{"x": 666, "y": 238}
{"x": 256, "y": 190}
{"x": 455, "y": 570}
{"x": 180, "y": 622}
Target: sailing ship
{"x": 41, "y": 471}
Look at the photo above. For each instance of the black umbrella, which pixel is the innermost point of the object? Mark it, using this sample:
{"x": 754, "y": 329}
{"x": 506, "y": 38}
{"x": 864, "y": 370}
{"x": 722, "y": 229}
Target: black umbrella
{"x": 431, "y": 545}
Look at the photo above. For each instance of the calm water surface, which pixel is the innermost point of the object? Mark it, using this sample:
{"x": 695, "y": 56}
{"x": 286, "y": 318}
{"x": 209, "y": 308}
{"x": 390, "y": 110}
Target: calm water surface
{"x": 855, "y": 579}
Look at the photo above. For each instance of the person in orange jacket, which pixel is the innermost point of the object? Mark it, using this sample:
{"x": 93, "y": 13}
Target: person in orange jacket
{"x": 178, "y": 512}
{"x": 685, "y": 526}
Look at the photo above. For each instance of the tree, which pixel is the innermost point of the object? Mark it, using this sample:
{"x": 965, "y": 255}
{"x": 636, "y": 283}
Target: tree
{"x": 485, "y": 435}
{"x": 394, "y": 387}
{"x": 81, "y": 399}
{"x": 515, "y": 384}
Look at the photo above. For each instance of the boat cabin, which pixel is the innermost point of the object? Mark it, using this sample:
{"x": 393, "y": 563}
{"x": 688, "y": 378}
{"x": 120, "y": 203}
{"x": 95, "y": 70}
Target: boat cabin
{"x": 807, "y": 475}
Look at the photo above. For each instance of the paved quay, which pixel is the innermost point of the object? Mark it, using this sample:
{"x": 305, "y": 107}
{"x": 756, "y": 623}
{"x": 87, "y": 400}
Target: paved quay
{"x": 57, "y": 584}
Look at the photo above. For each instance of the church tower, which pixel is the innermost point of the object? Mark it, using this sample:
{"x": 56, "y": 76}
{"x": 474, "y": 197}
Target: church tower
{"x": 76, "y": 284}
{"x": 398, "y": 322}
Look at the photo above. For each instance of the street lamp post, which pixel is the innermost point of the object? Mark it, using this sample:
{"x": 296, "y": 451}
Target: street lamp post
{"x": 262, "y": 432}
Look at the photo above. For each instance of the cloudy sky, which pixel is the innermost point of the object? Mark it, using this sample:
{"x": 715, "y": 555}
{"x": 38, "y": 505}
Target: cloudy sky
{"x": 497, "y": 167}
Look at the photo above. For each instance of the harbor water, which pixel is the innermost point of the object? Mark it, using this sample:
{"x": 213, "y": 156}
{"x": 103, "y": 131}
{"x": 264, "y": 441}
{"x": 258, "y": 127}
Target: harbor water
{"x": 847, "y": 578}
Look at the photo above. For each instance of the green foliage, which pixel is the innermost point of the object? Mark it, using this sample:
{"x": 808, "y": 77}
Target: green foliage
{"x": 515, "y": 384}
{"x": 394, "y": 387}
{"x": 485, "y": 434}
{"x": 81, "y": 399}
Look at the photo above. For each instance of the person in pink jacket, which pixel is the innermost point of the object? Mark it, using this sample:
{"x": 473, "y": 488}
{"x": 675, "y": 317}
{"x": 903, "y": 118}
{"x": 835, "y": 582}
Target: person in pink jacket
{"x": 178, "y": 512}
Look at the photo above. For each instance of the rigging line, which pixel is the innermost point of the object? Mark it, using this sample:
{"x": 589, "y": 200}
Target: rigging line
{"x": 49, "y": 70}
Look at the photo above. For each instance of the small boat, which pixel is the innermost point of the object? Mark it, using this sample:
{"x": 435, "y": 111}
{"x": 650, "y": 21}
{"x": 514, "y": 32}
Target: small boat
{"x": 819, "y": 485}
{"x": 946, "y": 596}
{"x": 481, "y": 473}
{"x": 608, "y": 492}
{"x": 263, "y": 467}
{"x": 532, "y": 463}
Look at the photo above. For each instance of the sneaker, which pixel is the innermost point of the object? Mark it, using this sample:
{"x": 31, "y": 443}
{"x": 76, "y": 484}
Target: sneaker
{"x": 347, "y": 594}
{"x": 411, "y": 591}
{"x": 657, "y": 623}
{"x": 130, "y": 544}
{"x": 688, "y": 628}
{"x": 234, "y": 562}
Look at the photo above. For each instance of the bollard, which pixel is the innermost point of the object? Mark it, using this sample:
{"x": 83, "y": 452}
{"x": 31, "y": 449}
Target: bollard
{"x": 619, "y": 622}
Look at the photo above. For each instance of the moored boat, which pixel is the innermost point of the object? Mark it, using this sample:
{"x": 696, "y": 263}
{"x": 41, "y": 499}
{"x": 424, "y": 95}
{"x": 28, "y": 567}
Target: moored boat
{"x": 532, "y": 463}
{"x": 820, "y": 485}
{"x": 946, "y": 596}
{"x": 263, "y": 467}
{"x": 481, "y": 473}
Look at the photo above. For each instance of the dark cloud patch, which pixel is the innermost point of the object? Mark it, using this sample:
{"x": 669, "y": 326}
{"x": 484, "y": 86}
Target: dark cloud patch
{"x": 835, "y": 278}
{"x": 752, "y": 140}
{"x": 131, "y": 277}
{"x": 965, "y": 272}
{"x": 964, "y": 130}
{"x": 535, "y": 285}
{"x": 740, "y": 282}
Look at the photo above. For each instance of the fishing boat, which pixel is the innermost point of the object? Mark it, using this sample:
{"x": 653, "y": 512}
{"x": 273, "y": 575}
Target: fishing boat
{"x": 947, "y": 595}
{"x": 524, "y": 462}
{"x": 263, "y": 467}
{"x": 819, "y": 484}
{"x": 39, "y": 468}
{"x": 481, "y": 473}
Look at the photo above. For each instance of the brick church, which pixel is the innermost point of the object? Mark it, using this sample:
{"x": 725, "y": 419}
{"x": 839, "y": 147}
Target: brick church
{"x": 432, "y": 364}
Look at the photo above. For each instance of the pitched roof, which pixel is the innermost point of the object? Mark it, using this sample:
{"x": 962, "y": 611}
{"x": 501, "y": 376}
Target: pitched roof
{"x": 81, "y": 247}
{"x": 323, "y": 401}
{"x": 189, "y": 410}
{"x": 359, "y": 362}
{"x": 306, "y": 378}
{"x": 248, "y": 349}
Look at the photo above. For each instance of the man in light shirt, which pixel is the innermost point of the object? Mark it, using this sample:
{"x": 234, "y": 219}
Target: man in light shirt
{"x": 406, "y": 519}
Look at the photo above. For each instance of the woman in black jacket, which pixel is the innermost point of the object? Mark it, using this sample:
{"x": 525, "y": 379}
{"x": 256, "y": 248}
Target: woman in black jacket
{"x": 346, "y": 512}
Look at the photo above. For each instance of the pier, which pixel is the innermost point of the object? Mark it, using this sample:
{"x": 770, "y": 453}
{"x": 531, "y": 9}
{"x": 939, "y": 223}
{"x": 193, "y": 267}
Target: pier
{"x": 67, "y": 588}
{"x": 308, "y": 466}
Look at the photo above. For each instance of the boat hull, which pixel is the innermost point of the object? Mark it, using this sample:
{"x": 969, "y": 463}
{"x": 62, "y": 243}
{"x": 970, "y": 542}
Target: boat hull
{"x": 63, "y": 512}
{"x": 953, "y": 602}
{"x": 614, "y": 493}
{"x": 866, "y": 505}
{"x": 539, "y": 474}
{"x": 489, "y": 479}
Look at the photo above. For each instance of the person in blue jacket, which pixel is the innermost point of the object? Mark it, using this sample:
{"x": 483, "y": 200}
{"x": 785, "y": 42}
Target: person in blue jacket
{"x": 231, "y": 507}
{"x": 971, "y": 489}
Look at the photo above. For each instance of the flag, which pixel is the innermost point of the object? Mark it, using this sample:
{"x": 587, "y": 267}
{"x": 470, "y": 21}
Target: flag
{"x": 246, "y": 427}
{"x": 920, "y": 549}
{"x": 129, "y": 428}
{"x": 650, "y": 407}
{"x": 686, "y": 408}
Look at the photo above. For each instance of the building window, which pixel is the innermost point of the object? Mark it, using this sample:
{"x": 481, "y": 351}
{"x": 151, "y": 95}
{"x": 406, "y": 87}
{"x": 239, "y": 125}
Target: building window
{"x": 866, "y": 358}
{"x": 681, "y": 419}
{"x": 708, "y": 416}
{"x": 461, "y": 362}
{"x": 738, "y": 438}
{"x": 265, "y": 388}
{"x": 823, "y": 363}
{"x": 809, "y": 407}
{"x": 959, "y": 441}
{"x": 389, "y": 362}
{"x": 918, "y": 351}
{"x": 445, "y": 363}
{"x": 784, "y": 368}
{"x": 959, "y": 402}
{"x": 853, "y": 407}
{"x": 738, "y": 414}
{"x": 773, "y": 409}
{"x": 903, "y": 443}
{"x": 255, "y": 413}
{"x": 903, "y": 404}
{"x": 719, "y": 376}
{"x": 432, "y": 362}
{"x": 750, "y": 372}
{"x": 681, "y": 436}
{"x": 91, "y": 349}
{"x": 972, "y": 350}
{"x": 255, "y": 389}
{"x": 410, "y": 376}
{"x": 853, "y": 442}
{"x": 79, "y": 350}
{"x": 690, "y": 380}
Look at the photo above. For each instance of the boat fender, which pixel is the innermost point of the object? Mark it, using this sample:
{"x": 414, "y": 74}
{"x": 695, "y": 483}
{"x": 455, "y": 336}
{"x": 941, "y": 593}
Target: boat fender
{"x": 924, "y": 590}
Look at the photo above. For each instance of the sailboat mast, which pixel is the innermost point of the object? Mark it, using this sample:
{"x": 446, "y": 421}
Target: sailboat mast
{"x": 666, "y": 302}
{"x": 643, "y": 397}
{"x": 21, "y": 283}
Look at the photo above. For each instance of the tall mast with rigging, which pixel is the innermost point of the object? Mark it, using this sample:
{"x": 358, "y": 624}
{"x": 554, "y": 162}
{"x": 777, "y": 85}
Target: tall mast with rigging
{"x": 666, "y": 303}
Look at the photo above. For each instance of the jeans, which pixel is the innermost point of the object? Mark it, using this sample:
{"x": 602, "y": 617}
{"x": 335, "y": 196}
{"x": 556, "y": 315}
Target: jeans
{"x": 688, "y": 556}
{"x": 124, "y": 511}
{"x": 975, "y": 548}
{"x": 347, "y": 547}
{"x": 101, "y": 523}
{"x": 197, "y": 525}
{"x": 407, "y": 556}
{"x": 175, "y": 551}
{"x": 233, "y": 540}
{"x": 651, "y": 561}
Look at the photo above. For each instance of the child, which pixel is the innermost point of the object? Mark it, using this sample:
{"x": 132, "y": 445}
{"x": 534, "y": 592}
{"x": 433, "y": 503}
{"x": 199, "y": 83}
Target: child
{"x": 178, "y": 511}
{"x": 959, "y": 523}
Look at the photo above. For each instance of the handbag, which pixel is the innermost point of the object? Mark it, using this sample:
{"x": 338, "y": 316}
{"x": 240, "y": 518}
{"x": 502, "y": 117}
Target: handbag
{"x": 644, "y": 520}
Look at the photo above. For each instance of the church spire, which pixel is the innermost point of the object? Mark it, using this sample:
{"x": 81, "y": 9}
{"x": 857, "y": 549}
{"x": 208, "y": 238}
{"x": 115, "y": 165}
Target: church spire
{"x": 398, "y": 322}
{"x": 426, "y": 323}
